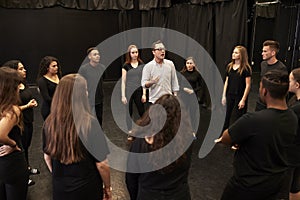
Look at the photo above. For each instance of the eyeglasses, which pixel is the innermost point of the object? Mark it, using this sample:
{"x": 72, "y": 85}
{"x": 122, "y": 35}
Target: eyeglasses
{"x": 160, "y": 49}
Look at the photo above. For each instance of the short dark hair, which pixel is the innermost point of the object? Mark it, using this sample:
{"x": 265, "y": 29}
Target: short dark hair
{"x": 88, "y": 51}
{"x": 277, "y": 83}
{"x": 273, "y": 45}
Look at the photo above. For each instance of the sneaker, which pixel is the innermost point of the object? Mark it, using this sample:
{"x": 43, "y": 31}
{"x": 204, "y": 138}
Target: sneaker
{"x": 31, "y": 182}
{"x": 33, "y": 171}
{"x": 129, "y": 138}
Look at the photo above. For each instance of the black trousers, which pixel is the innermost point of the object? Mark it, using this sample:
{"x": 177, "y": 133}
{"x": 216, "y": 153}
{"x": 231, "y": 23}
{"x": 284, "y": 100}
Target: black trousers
{"x": 232, "y": 102}
{"x": 135, "y": 98}
{"x": 26, "y": 138}
{"x": 99, "y": 112}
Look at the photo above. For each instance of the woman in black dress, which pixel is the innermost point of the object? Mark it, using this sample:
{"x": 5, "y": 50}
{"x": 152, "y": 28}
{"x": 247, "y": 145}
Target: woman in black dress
{"x": 75, "y": 148}
{"x": 13, "y": 165}
{"x": 27, "y": 105}
{"x": 169, "y": 182}
{"x": 48, "y": 78}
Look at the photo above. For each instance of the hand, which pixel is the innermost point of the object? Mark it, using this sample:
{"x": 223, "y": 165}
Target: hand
{"x": 32, "y": 103}
{"x": 6, "y": 149}
{"x": 241, "y": 105}
{"x": 107, "y": 193}
{"x": 224, "y": 101}
{"x": 124, "y": 100}
{"x": 189, "y": 91}
{"x": 143, "y": 99}
{"x": 218, "y": 140}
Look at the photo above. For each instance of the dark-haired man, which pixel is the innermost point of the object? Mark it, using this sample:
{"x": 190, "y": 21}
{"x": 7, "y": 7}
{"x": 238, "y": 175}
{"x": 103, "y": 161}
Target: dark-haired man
{"x": 270, "y": 62}
{"x": 93, "y": 73}
{"x": 260, "y": 163}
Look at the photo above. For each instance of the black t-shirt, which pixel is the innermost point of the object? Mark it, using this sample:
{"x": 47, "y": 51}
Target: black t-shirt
{"x": 81, "y": 180}
{"x": 265, "y": 67}
{"x": 133, "y": 75}
{"x": 294, "y": 149}
{"x": 261, "y": 160}
{"x": 26, "y": 96}
{"x": 236, "y": 82}
{"x": 94, "y": 78}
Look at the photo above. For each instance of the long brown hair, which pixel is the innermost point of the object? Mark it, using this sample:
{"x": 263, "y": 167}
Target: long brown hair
{"x": 172, "y": 106}
{"x": 69, "y": 104}
{"x": 244, "y": 61}
{"x": 9, "y": 92}
{"x": 128, "y": 57}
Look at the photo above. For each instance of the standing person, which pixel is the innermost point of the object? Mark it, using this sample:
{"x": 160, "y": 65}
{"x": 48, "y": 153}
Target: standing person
{"x": 13, "y": 165}
{"x": 270, "y": 62}
{"x": 237, "y": 85}
{"x": 170, "y": 182}
{"x": 131, "y": 85}
{"x": 93, "y": 73}
{"x": 27, "y": 105}
{"x": 294, "y": 150}
{"x": 48, "y": 78}
{"x": 159, "y": 75}
{"x": 190, "y": 72}
{"x": 261, "y": 162}
{"x": 76, "y": 173}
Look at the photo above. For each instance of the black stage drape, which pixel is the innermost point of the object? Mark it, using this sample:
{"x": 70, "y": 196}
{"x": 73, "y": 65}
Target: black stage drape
{"x": 30, "y": 34}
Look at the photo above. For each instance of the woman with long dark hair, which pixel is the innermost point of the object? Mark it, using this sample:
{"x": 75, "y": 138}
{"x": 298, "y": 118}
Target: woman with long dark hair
{"x": 13, "y": 165}
{"x": 70, "y": 133}
{"x": 27, "y": 104}
{"x": 163, "y": 182}
{"x": 131, "y": 89}
{"x": 47, "y": 80}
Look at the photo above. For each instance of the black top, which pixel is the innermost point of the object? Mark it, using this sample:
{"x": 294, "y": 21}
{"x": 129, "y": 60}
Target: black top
{"x": 81, "y": 180}
{"x": 133, "y": 76}
{"x": 195, "y": 80}
{"x": 94, "y": 78}
{"x": 26, "y": 96}
{"x": 236, "y": 82}
{"x": 47, "y": 89}
{"x": 265, "y": 67}
{"x": 261, "y": 160}
{"x": 294, "y": 150}
{"x": 158, "y": 184}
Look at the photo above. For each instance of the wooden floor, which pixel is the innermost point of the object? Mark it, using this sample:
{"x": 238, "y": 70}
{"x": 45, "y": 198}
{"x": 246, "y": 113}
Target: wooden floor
{"x": 207, "y": 177}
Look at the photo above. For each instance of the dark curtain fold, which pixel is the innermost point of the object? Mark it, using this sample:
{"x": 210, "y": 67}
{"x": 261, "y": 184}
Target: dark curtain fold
{"x": 149, "y": 4}
{"x": 230, "y": 30}
{"x": 77, "y": 4}
{"x": 206, "y": 1}
{"x": 267, "y": 10}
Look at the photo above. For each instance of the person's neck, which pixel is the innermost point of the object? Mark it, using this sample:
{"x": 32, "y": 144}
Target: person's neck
{"x": 93, "y": 64}
{"x": 272, "y": 60}
{"x": 134, "y": 63}
{"x": 297, "y": 93}
{"x": 158, "y": 61}
{"x": 279, "y": 104}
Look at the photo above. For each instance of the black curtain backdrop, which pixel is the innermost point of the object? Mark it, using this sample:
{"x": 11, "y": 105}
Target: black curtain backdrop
{"x": 30, "y": 34}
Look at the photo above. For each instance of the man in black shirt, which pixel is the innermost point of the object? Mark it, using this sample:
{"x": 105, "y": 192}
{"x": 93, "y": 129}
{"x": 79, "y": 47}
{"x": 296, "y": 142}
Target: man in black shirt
{"x": 270, "y": 62}
{"x": 93, "y": 73}
{"x": 261, "y": 163}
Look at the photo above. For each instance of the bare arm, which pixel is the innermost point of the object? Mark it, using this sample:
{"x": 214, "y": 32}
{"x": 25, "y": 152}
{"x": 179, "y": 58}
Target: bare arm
{"x": 246, "y": 93}
{"x": 6, "y": 124}
{"x": 47, "y": 159}
{"x": 144, "y": 98}
{"x": 123, "y": 86}
{"x": 224, "y": 91}
{"x": 104, "y": 172}
{"x": 225, "y": 138}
